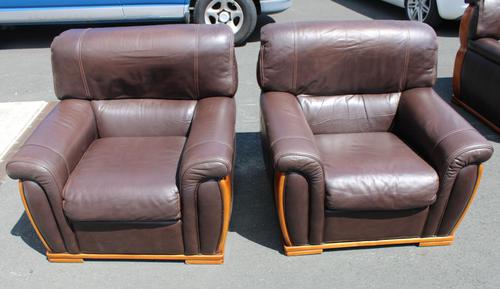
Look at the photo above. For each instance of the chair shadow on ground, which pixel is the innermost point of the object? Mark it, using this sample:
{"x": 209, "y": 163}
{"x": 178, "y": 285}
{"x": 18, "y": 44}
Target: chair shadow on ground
{"x": 379, "y": 10}
{"x": 254, "y": 216}
{"x": 25, "y": 231}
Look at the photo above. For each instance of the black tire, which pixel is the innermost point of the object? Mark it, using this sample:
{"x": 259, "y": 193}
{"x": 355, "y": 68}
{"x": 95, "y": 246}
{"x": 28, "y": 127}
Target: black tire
{"x": 432, "y": 18}
{"x": 249, "y": 18}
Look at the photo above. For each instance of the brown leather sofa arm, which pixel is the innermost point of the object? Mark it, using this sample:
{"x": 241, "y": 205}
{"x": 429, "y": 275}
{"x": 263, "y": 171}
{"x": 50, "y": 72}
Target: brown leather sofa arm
{"x": 445, "y": 140}
{"x": 438, "y": 133}
{"x": 55, "y": 147}
{"x": 208, "y": 156}
{"x": 49, "y": 156}
{"x": 293, "y": 151}
{"x": 290, "y": 138}
{"x": 209, "y": 150}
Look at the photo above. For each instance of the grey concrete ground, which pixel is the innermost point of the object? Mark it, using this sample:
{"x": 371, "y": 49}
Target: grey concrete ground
{"x": 254, "y": 258}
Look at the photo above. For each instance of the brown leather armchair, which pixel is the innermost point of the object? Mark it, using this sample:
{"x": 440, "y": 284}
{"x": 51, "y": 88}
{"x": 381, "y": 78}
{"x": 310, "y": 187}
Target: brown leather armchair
{"x": 135, "y": 162}
{"x": 476, "y": 79}
{"x": 363, "y": 151}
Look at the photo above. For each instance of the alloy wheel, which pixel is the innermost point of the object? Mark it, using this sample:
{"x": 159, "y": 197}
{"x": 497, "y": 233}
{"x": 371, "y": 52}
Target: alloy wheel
{"x": 227, "y": 12}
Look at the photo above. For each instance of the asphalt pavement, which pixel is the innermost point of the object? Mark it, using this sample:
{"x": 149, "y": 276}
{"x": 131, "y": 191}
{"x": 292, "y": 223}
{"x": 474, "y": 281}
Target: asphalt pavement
{"x": 254, "y": 256}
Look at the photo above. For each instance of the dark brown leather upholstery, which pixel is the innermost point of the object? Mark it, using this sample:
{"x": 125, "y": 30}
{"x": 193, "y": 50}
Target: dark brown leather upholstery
{"x": 126, "y": 179}
{"x": 320, "y": 59}
{"x": 477, "y": 66}
{"x": 143, "y": 117}
{"x": 293, "y": 150}
{"x": 208, "y": 155}
{"x": 129, "y": 161}
{"x": 444, "y": 139}
{"x": 486, "y": 19}
{"x": 374, "y": 172}
{"x": 350, "y": 113}
{"x": 188, "y": 62}
{"x": 368, "y": 150}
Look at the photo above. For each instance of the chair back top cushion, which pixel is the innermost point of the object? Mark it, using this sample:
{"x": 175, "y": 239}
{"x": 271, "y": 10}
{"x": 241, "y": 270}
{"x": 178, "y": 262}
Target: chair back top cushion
{"x": 486, "y": 19}
{"x": 347, "y": 57}
{"x": 163, "y": 61}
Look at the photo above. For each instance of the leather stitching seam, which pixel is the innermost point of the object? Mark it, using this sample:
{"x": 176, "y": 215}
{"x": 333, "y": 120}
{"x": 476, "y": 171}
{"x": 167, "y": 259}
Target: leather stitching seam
{"x": 80, "y": 63}
{"x": 207, "y": 142}
{"x": 58, "y": 154}
{"x": 446, "y": 136}
{"x": 43, "y": 167}
{"x": 403, "y": 78}
{"x": 292, "y": 137}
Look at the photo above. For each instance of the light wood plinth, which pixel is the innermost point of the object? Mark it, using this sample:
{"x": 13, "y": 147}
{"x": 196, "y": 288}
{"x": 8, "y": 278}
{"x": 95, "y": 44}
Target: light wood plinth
{"x": 205, "y": 262}
{"x": 64, "y": 260}
{"x": 432, "y": 244}
{"x": 188, "y": 259}
{"x": 318, "y": 249}
{"x": 303, "y": 252}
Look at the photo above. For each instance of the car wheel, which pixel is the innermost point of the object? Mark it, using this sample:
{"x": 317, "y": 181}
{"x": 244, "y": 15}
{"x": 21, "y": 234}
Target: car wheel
{"x": 424, "y": 11}
{"x": 239, "y": 15}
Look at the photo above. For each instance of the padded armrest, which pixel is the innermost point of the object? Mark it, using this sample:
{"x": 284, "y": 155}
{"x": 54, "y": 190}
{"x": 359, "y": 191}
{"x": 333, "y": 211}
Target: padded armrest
{"x": 439, "y": 133}
{"x": 290, "y": 138}
{"x": 294, "y": 150}
{"x": 210, "y": 146}
{"x": 208, "y": 155}
{"x": 51, "y": 153}
{"x": 445, "y": 140}
{"x": 55, "y": 147}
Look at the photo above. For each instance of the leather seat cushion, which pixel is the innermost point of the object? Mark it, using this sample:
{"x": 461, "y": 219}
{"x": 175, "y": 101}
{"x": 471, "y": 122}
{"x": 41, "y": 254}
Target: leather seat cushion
{"x": 126, "y": 179}
{"x": 374, "y": 171}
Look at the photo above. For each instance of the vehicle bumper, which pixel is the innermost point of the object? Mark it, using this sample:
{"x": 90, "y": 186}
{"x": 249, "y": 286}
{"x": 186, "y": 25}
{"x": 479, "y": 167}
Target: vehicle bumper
{"x": 451, "y": 9}
{"x": 274, "y": 6}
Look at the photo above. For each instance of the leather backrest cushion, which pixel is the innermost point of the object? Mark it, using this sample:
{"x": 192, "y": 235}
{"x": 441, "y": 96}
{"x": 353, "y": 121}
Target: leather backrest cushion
{"x": 350, "y": 113}
{"x": 347, "y": 57}
{"x": 486, "y": 19}
{"x": 143, "y": 117}
{"x": 163, "y": 61}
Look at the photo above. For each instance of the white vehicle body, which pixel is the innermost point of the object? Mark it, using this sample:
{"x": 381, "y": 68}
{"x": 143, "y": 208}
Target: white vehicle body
{"x": 448, "y": 9}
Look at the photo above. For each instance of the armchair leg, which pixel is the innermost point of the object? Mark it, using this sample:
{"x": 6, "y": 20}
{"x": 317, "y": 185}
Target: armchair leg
{"x": 204, "y": 262}
{"x": 432, "y": 244}
{"x": 303, "y": 252}
{"x": 64, "y": 260}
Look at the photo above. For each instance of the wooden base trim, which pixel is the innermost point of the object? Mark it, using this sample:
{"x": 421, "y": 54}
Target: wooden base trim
{"x": 280, "y": 204}
{"x": 226, "y": 194}
{"x": 188, "y": 259}
{"x": 30, "y": 217}
{"x": 317, "y": 249}
{"x": 304, "y": 252}
{"x": 205, "y": 262}
{"x": 432, "y": 244}
{"x": 476, "y": 114}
